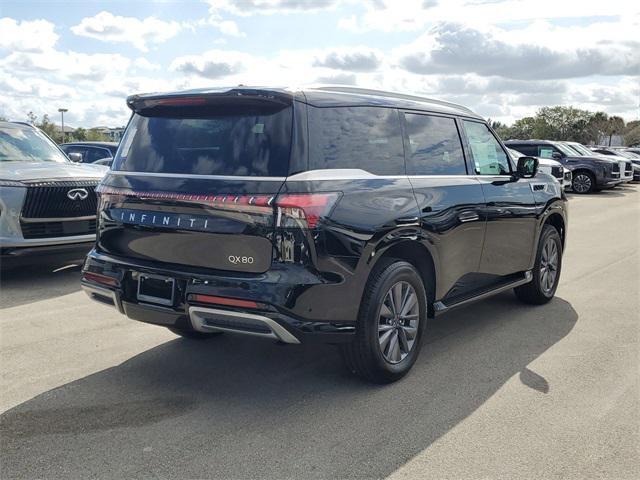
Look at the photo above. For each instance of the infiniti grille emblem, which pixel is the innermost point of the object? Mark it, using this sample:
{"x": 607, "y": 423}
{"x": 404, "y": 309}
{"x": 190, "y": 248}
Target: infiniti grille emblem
{"x": 77, "y": 194}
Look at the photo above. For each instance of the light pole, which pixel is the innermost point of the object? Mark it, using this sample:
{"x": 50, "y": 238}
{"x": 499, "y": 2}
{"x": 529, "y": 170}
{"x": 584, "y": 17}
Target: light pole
{"x": 62, "y": 110}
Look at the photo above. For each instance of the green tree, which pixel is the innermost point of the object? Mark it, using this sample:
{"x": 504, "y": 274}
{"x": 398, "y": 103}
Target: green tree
{"x": 94, "y": 135}
{"x": 632, "y": 137}
{"x": 48, "y": 127}
{"x": 32, "y": 118}
{"x": 79, "y": 135}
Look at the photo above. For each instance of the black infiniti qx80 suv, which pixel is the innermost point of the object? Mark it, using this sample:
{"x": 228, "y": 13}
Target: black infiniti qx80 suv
{"x": 342, "y": 215}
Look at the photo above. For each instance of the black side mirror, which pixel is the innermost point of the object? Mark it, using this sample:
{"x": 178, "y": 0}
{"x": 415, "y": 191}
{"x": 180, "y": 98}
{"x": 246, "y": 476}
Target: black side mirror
{"x": 556, "y": 156}
{"x": 527, "y": 167}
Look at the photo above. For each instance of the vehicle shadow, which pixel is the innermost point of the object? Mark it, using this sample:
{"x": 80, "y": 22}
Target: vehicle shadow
{"x": 235, "y": 407}
{"x": 618, "y": 191}
{"x": 32, "y": 283}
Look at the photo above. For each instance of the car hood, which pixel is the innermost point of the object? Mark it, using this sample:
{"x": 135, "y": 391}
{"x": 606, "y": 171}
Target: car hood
{"x": 548, "y": 162}
{"x": 49, "y": 170}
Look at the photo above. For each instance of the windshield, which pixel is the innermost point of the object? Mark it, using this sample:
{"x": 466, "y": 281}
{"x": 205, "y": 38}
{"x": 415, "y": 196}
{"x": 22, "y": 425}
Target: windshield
{"x": 581, "y": 149}
{"x": 24, "y": 144}
{"x": 565, "y": 149}
{"x": 242, "y": 142}
{"x": 625, "y": 154}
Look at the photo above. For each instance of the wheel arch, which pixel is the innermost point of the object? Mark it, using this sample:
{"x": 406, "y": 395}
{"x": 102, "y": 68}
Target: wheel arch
{"x": 420, "y": 257}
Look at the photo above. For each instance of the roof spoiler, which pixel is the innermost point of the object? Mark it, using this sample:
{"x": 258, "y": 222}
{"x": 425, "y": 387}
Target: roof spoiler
{"x": 155, "y": 102}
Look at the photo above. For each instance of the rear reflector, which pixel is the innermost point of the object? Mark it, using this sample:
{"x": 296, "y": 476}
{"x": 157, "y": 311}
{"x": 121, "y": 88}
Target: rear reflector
{"x": 306, "y": 208}
{"x": 231, "y": 302}
{"x": 102, "y": 279}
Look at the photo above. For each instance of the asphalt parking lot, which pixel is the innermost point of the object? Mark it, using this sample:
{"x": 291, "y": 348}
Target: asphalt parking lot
{"x": 501, "y": 390}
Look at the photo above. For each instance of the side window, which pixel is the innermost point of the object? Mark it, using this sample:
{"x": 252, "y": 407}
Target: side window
{"x": 545, "y": 151}
{"x": 488, "y": 156}
{"x": 434, "y": 146}
{"x": 368, "y": 138}
{"x": 94, "y": 154}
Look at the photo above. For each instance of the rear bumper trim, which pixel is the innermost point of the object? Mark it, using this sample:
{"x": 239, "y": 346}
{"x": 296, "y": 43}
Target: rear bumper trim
{"x": 212, "y": 319}
{"x": 99, "y": 294}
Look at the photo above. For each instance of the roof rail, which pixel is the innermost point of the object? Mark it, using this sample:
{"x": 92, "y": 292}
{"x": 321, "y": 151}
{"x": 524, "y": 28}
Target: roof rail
{"x": 369, "y": 91}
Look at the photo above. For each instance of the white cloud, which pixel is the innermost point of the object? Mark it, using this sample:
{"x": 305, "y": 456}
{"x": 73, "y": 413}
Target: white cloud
{"x": 269, "y": 7}
{"x": 212, "y": 64}
{"x": 458, "y": 48}
{"x": 140, "y": 33}
{"x": 27, "y": 36}
{"x": 358, "y": 59}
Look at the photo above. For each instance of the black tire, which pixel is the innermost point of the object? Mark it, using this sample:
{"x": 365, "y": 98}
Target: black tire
{"x": 190, "y": 333}
{"x": 364, "y": 356}
{"x": 583, "y": 182}
{"x": 536, "y": 292}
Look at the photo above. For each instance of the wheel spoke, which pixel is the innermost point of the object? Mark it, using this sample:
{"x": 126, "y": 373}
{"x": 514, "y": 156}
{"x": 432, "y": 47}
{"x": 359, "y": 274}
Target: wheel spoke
{"x": 393, "y": 346}
{"x": 384, "y": 340}
{"x": 409, "y": 303}
{"x": 410, "y": 332}
{"x": 383, "y": 327}
{"x": 385, "y": 311}
{"x": 397, "y": 297}
{"x": 404, "y": 342}
{"x": 392, "y": 304}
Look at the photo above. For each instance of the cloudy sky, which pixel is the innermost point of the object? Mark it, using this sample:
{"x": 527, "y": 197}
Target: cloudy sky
{"x": 503, "y": 58}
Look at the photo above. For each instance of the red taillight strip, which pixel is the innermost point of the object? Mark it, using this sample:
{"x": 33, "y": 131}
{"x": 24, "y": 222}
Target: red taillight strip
{"x": 222, "y": 199}
{"x": 101, "y": 279}
{"x": 232, "y": 302}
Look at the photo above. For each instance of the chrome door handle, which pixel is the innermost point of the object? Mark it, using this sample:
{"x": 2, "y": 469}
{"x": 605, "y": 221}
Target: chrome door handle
{"x": 468, "y": 217}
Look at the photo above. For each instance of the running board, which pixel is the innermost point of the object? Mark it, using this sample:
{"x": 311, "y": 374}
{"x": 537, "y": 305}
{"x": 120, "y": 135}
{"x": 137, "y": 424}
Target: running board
{"x": 441, "y": 307}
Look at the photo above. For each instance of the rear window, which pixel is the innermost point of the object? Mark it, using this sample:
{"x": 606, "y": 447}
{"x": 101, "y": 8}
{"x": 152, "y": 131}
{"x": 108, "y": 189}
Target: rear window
{"x": 368, "y": 138}
{"x": 250, "y": 142}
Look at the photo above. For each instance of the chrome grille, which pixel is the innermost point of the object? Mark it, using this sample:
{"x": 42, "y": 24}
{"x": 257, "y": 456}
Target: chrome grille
{"x": 48, "y": 199}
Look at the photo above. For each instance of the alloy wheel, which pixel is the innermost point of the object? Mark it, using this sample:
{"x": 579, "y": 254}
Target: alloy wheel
{"x": 582, "y": 183}
{"x": 549, "y": 266}
{"x": 398, "y": 322}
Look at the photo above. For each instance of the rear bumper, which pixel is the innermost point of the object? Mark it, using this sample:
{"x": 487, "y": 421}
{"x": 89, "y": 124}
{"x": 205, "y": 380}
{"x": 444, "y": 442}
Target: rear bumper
{"x": 14, "y": 256}
{"x": 271, "y": 319}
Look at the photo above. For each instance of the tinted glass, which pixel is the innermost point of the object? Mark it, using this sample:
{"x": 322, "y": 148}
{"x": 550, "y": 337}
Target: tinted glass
{"x": 526, "y": 150}
{"x": 94, "y": 154}
{"x": 242, "y": 143}
{"x": 24, "y": 144}
{"x": 435, "y": 147}
{"x": 356, "y": 137}
{"x": 488, "y": 156}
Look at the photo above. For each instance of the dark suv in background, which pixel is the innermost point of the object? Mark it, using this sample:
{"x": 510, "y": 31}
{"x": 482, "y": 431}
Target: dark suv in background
{"x": 590, "y": 173}
{"x": 338, "y": 215}
{"x": 91, "y": 152}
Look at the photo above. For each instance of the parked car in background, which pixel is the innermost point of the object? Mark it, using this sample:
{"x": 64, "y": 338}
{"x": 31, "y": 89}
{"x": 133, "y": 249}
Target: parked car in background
{"x": 548, "y": 166}
{"x": 47, "y": 203}
{"x": 338, "y": 215}
{"x": 626, "y": 165}
{"x": 590, "y": 173}
{"x": 91, "y": 152}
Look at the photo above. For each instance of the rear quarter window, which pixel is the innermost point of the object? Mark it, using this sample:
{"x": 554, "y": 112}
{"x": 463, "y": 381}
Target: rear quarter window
{"x": 367, "y": 138}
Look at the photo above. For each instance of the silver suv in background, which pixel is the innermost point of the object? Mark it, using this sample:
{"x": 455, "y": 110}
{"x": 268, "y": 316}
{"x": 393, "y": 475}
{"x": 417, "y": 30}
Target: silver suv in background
{"x": 47, "y": 203}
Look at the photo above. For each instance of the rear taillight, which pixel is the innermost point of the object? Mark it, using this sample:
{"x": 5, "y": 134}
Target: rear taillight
{"x": 229, "y": 302}
{"x": 101, "y": 279}
{"x": 304, "y": 210}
